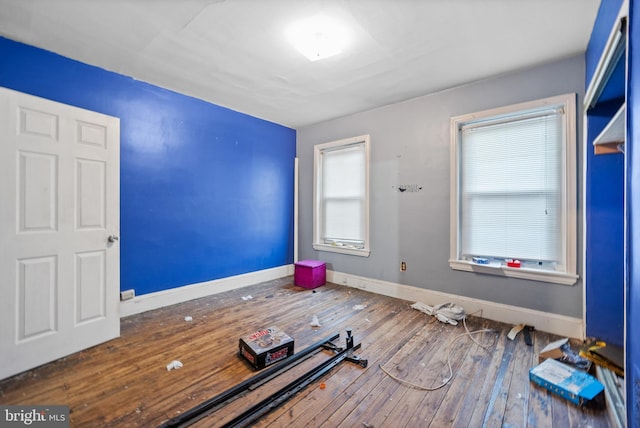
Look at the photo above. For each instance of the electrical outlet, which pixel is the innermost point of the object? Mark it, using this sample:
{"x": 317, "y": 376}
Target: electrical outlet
{"x": 127, "y": 294}
{"x": 403, "y": 266}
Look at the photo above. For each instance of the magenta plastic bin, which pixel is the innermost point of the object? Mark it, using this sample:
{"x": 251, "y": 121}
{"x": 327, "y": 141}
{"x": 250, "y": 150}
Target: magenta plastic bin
{"x": 310, "y": 273}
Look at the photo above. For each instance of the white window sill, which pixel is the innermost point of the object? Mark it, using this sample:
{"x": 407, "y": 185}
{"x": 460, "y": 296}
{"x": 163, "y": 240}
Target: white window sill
{"x": 521, "y": 273}
{"x": 362, "y": 252}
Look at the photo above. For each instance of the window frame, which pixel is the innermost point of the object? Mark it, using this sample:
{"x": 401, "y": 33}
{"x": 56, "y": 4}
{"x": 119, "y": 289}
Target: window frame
{"x": 569, "y": 275}
{"x": 318, "y": 219}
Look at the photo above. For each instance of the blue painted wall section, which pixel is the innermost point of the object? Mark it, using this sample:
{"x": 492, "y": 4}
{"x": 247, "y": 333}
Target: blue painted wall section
{"x": 632, "y": 370}
{"x": 206, "y": 192}
{"x": 604, "y": 198}
{"x": 605, "y": 235}
{"x": 607, "y": 14}
{"x": 607, "y": 175}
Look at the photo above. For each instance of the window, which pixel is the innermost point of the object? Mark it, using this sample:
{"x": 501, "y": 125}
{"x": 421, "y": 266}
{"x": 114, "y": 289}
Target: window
{"x": 341, "y": 196}
{"x": 513, "y": 191}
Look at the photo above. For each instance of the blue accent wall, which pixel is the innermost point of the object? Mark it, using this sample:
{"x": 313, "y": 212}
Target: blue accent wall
{"x": 604, "y": 198}
{"x": 603, "y": 174}
{"x": 604, "y": 264}
{"x": 607, "y": 14}
{"x": 206, "y": 192}
{"x": 632, "y": 370}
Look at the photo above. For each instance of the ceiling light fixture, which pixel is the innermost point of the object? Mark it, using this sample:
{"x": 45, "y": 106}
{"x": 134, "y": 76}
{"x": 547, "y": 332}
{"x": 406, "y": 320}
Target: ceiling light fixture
{"x": 317, "y": 37}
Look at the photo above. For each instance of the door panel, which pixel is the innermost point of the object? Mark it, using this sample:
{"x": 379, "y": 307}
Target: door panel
{"x": 59, "y": 274}
{"x": 37, "y": 290}
{"x": 90, "y": 287}
{"x": 90, "y": 197}
{"x": 37, "y": 199}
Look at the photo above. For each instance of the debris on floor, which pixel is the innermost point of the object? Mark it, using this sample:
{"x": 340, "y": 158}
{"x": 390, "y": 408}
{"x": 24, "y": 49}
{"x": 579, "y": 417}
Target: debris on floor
{"x": 445, "y": 312}
{"x": 265, "y": 347}
{"x": 560, "y": 350}
{"x": 605, "y": 355}
{"x": 248, "y": 297}
{"x": 515, "y": 331}
{"x": 566, "y": 381}
{"x": 359, "y": 307}
{"x": 175, "y": 364}
{"x": 528, "y": 331}
{"x": 315, "y": 322}
{"x": 188, "y": 319}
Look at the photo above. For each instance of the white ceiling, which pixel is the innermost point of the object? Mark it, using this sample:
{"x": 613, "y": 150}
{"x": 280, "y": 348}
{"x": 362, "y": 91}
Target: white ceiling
{"x": 234, "y": 53}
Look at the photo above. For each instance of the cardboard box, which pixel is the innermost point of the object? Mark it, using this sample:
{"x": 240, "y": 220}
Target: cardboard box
{"x": 553, "y": 350}
{"x": 266, "y": 347}
{"x": 565, "y": 381}
{"x": 310, "y": 273}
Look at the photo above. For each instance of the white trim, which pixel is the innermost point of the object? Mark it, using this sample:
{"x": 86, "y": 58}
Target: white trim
{"x": 160, "y": 299}
{"x": 343, "y": 250}
{"x": 585, "y": 127}
{"x": 522, "y": 273}
{"x": 569, "y": 271}
{"x": 613, "y": 42}
{"x": 544, "y": 321}
{"x": 317, "y": 151}
{"x": 296, "y": 187}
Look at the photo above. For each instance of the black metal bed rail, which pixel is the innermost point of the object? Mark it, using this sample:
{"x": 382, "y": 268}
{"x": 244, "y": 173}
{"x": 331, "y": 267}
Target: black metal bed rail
{"x": 285, "y": 393}
{"x": 214, "y": 403}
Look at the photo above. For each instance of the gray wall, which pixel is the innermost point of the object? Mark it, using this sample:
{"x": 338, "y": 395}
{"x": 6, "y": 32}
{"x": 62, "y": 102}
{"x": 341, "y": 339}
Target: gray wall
{"x": 410, "y": 145}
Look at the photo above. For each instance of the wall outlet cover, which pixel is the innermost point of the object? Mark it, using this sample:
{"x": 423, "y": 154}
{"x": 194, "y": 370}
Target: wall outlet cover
{"x": 127, "y": 294}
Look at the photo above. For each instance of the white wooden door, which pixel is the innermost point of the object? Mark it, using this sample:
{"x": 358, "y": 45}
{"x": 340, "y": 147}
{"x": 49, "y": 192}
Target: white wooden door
{"x": 59, "y": 206}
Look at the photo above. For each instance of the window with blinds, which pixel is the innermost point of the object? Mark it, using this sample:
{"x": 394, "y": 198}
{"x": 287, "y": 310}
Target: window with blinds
{"x": 513, "y": 175}
{"x": 341, "y": 213}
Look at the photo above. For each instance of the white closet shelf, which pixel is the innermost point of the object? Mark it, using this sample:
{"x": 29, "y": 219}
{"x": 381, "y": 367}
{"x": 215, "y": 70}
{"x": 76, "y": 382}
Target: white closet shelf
{"x": 612, "y": 137}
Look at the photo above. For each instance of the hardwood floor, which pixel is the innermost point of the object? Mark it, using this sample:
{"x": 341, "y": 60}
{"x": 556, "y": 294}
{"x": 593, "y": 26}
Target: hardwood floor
{"x": 125, "y": 382}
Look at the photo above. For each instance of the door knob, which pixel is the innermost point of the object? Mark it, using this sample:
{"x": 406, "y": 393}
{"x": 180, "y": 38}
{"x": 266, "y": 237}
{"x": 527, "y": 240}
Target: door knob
{"x": 113, "y": 238}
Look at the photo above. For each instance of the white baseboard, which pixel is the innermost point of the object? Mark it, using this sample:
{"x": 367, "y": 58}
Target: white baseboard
{"x": 552, "y": 323}
{"x": 147, "y": 302}
{"x": 544, "y": 321}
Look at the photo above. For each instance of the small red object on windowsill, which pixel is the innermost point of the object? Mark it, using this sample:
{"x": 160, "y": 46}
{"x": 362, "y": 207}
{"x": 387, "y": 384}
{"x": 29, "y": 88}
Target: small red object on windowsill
{"x": 513, "y": 263}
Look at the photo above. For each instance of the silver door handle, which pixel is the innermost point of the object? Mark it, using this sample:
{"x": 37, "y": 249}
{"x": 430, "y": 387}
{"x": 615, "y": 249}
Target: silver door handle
{"x": 113, "y": 238}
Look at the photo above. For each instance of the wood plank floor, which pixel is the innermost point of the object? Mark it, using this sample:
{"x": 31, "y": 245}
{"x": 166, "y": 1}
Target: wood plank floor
{"x": 125, "y": 382}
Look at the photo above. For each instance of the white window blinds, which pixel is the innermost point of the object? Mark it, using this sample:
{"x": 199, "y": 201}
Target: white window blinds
{"x": 343, "y": 195}
{"x": 511, "y": 187}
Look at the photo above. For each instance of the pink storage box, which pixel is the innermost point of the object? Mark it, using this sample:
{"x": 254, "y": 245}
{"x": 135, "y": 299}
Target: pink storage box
{"x": 310, "y": 273}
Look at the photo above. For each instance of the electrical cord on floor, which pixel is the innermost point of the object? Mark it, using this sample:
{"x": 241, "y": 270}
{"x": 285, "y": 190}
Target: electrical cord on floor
{"x": 468, "y": 334}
